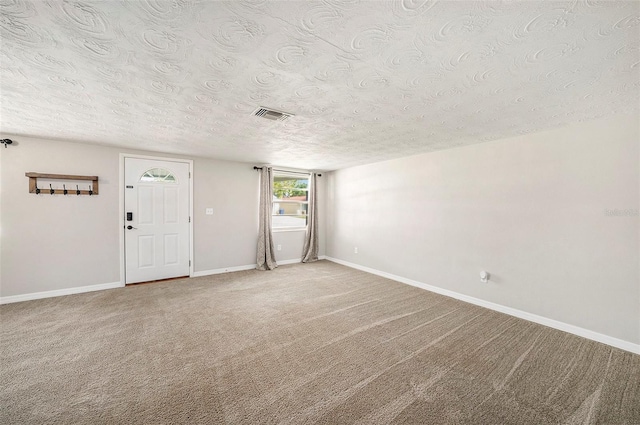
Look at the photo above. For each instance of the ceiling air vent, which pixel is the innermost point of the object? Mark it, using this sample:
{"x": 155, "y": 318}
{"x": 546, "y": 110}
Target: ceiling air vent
{"x": 271, "y": 114}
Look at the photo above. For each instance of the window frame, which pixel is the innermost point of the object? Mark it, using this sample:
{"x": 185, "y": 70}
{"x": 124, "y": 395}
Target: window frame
{"x": 298, "y": 175}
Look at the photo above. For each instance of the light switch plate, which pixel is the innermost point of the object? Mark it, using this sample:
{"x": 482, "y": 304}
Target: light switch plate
{"x": 209, "y": 211}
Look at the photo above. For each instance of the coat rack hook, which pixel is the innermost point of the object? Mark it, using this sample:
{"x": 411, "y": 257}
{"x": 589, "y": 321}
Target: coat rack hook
{"x": 77, "y": 190}
{"x": 64, "y": 189}
{"x": 51, "y": 189}
{"x": 90, "y": 191}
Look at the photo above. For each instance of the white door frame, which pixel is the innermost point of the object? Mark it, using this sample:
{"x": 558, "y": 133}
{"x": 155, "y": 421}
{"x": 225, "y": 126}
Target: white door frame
{"x": 121, "y": 222}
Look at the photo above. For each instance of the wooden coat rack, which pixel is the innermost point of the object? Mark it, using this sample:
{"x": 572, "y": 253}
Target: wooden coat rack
{"x": 33, "y": 184}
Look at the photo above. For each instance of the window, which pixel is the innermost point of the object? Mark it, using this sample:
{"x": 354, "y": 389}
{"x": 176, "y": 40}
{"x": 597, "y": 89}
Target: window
{"x": 290, "y": 200}
{"x": 158, "y": 175}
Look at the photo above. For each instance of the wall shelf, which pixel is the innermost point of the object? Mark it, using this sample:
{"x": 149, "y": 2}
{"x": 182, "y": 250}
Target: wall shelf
{"x": 33, "y": 184}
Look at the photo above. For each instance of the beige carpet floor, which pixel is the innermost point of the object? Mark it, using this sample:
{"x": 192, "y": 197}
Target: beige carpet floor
{"x": 313, "y": 343}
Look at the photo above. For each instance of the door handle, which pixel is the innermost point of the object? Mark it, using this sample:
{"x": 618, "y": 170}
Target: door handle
{"x": 131, "y": 227}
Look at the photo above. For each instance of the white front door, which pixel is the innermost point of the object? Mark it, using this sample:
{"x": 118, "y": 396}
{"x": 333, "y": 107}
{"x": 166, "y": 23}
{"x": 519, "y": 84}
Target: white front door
{"x": 156, "y": 205}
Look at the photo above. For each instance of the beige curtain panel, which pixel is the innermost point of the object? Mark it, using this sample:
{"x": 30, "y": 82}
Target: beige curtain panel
{"x": 310, "y": 248}
{"x": 266, "y": 259}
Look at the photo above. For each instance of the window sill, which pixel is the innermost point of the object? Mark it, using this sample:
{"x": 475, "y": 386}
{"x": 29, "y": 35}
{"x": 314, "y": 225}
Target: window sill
{"x": 293, "y": 229}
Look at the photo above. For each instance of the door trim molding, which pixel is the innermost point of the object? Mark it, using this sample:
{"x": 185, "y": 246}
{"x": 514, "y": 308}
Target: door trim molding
{"x": 121, "y": 211}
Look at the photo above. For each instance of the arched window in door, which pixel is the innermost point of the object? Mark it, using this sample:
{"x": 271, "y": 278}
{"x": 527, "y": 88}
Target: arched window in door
{"x": 160, "y": 175}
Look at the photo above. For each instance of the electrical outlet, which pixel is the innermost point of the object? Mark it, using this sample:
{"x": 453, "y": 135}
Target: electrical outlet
{"x": 355, "y": 250}
{"x": 209, "y": 211}
{"x": 279, "y": 248}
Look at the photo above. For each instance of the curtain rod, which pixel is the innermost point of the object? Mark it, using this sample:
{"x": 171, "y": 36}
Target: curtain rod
{"x": 286, "y": 171}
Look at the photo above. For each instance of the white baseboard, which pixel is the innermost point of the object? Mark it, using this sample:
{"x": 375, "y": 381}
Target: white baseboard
{"x": 247, "y": 267}
{"x": 285, "y": 262}
{"x": 59, "y": 292}
{"x": 585, "y": 333}
{"x": 100, "y": 287}
{"x": 223, "y": 270}
{"x": 298, "y": 260}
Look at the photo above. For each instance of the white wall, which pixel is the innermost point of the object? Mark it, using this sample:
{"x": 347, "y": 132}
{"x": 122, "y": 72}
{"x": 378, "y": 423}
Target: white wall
{"x": 531, "y": 210}
{"x": 51, "y": 243}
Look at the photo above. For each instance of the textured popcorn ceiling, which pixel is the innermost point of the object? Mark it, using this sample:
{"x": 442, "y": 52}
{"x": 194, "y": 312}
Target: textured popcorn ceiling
{"x": 367, "y": 81}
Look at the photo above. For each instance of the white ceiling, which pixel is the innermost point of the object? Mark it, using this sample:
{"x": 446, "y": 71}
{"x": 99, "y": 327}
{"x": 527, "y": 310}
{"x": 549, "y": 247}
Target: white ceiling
{"x": 367, "y": 81}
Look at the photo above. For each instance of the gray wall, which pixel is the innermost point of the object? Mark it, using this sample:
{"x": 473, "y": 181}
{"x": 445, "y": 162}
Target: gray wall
{"x": 57, "y": 242}
{"x": 228, "y": 237}
{"x": 531, "y": 210}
